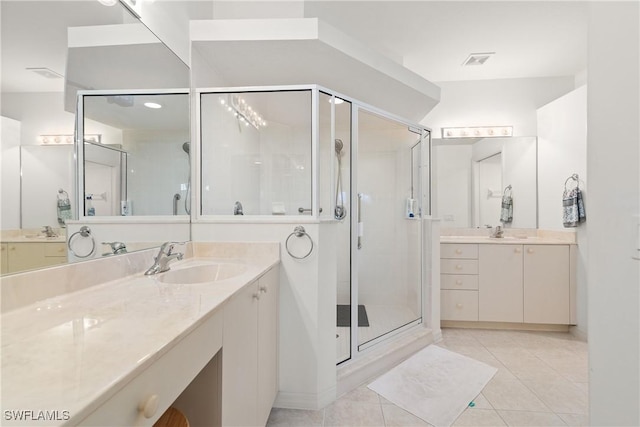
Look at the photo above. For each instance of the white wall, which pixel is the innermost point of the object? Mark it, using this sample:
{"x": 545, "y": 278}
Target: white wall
{"x": 562, "y": 151}
{"x": 495, "y": 102}
{"x": 10, "y": 173}
{"x": 613, "y": 157}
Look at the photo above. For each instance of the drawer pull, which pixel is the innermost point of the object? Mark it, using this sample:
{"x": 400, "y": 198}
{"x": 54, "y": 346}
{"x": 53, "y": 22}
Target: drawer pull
{"x": 149, "y": 407}
{"x": 529, "y": 251}
{"x": 517, "y": 250}
{"x": 458, "y": 282}
{"x": 256, "y": 296}
{"x": 458, "y": 305}
{"x": 459, "y": 251}
{"x": 459, "y": 267}
{"x": 263, "y": 289}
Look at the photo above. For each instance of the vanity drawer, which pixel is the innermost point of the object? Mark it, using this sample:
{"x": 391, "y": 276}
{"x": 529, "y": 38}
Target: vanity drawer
{"x": 459, "y": 266}
{"x": 55, "y": 250}
{"x": 156, "y": 388}
{"x": 459, "y": 305}
{"x": 459, "y": 250}
{"x": 459, "y": 281}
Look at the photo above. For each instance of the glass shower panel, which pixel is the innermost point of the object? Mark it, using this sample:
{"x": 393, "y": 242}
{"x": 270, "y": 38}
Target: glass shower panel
{"x": 389, "y": 232}
{"x": 336, "y": 194}
{"x": 256, "y": 153}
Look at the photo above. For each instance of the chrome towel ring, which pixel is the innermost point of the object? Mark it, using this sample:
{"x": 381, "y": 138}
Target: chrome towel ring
{"x": 83, "y": 232}
{"x": 299, "y": 231}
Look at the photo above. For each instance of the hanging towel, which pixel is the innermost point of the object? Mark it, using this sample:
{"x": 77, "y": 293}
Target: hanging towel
{"x": 573, "y": 212}
{"x": 64, "y": 208}
{"x": 506, "y": 212}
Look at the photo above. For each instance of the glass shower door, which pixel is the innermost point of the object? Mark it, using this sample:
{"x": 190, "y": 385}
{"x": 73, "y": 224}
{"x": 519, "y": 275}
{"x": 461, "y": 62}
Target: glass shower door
{"x": 387, "y": 227}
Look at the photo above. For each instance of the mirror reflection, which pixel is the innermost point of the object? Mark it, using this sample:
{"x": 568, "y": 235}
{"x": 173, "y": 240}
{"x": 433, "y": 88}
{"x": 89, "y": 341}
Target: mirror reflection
{"x": 50, "y": 50}
{"x": 475, "y": 176}
{"x": 136, "y": 154}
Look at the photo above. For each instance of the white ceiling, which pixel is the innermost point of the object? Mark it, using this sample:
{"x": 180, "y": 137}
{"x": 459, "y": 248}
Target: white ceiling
{"x": 433, "y": 38}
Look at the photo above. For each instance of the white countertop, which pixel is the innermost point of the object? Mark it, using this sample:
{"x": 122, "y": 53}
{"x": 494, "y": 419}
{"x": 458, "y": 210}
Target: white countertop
{"x": 72, "y": 352}
{"x": 34, "y": 239}
{"x": 508, "y": 240}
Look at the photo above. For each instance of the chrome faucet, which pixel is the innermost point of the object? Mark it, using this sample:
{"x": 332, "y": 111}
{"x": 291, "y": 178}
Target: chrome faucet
{"x": 165, "y": 255}
{"x": 497, "y": 232}
{"x": 237, "y": 209}
{"x": 116, "y": 248}
{"x": 48, "y": 231}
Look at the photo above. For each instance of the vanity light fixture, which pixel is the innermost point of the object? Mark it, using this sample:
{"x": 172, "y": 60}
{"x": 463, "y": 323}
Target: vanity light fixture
{"x": 153, "y": 105}
{"x": 67, "y": 139}
{"x": 477, "y": 132}
{"x": 245, "y": 114}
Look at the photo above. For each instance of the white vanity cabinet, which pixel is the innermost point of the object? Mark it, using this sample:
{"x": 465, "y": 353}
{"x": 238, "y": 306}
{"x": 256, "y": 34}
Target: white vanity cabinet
{"x": 507, "y": 283}
{"x": 249, "y": 353}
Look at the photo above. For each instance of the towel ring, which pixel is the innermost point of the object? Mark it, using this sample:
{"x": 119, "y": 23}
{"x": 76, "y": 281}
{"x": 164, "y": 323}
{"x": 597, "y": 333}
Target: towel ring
{"x": 299, "y": 231}
{"x": 574, "y": 177}
{"x": 83, "y": 232}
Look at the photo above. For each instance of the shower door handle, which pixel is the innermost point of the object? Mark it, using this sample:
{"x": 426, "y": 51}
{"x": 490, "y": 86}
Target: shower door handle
{"x": 360, "y": 224}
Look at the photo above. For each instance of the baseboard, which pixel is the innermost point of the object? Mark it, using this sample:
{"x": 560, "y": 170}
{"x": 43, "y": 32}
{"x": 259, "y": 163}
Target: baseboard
{"x": 505, "y": 325}
{"x": 579, "y": 333}
{"x": 379, "y": 359}
{"x": 309, "y": 401}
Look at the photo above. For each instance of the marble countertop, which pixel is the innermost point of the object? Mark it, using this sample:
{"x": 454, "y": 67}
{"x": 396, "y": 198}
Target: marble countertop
{"x": 508, "y": 240}
{"x": 72, "y": 352}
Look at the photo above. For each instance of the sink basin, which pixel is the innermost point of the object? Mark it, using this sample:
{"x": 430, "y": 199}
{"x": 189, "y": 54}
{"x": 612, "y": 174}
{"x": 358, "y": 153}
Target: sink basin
{"x": 203, "y": 273}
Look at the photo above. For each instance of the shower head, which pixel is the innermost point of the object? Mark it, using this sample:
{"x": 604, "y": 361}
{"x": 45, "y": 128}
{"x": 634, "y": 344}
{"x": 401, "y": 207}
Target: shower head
{"x": 186, "y": 147}
{"x": 339, "y": 146}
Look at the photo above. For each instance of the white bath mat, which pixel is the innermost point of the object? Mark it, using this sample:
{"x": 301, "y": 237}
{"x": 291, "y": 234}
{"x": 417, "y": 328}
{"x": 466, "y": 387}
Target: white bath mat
{"x": 434, "y": 384}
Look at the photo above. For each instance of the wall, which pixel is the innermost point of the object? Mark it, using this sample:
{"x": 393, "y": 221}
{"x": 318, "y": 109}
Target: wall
{"x": 613, "y": 155}
{"x": 495, "y": 102}
{"x": 562, "y": 151}
{"x": 10, "y": 178}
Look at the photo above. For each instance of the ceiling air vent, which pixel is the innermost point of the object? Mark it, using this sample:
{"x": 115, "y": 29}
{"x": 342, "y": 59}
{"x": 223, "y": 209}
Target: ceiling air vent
{"x": 478, "y": 58}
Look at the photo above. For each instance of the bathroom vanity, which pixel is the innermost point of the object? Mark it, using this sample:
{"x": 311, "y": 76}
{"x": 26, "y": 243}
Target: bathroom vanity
{"x": 526, "y": 282}
{"x": 20, "y": 253}
{"x": 201, "y": 337}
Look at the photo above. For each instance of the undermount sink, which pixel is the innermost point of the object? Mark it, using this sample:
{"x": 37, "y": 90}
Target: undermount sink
{"x": 203, "y": 273}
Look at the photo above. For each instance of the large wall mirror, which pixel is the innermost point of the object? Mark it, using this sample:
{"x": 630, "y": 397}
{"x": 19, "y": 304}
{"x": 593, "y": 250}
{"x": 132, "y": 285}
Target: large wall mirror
{"x": 471, "y": 177}
{"x": 50, "y": 51}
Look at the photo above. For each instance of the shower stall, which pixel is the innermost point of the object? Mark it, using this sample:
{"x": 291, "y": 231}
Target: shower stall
{"x": 306, "y": 154}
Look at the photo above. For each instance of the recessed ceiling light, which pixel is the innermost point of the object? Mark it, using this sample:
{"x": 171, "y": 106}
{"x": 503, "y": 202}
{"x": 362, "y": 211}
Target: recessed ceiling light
{"x": 152, "y": 105}
{"x": 45, "y": 72}
{"x": 477, "y": 58}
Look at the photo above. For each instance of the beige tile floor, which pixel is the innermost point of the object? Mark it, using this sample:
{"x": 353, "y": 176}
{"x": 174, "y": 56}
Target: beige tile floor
{"x": 542, "y": 380}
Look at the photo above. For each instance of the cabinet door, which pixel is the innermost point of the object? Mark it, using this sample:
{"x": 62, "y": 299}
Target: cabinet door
{"x": 240, "y": 358}
{"x": 25, "y": 256}
{"x": 500, "y": 294}
{"x": 546, "y": 284}
{"x": 267, "y": 343}
{"x": 4, "y": 267}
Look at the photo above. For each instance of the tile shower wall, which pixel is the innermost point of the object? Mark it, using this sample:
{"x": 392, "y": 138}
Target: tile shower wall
{"x": 385, "y": 278}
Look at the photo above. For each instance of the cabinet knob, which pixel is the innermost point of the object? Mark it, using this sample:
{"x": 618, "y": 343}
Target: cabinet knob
{"x": 256, "y": 296}
{"x": 458, "y": 251}
{"x": 263, "y": 289}
{"x": 459, "y": 267}
{"x": 458, "y": 282}
{"x": 529, "y": 251}
{"x": 458, "y": 305}
{"x": 517, "y": 250}
{"x": 149, "y": 407}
